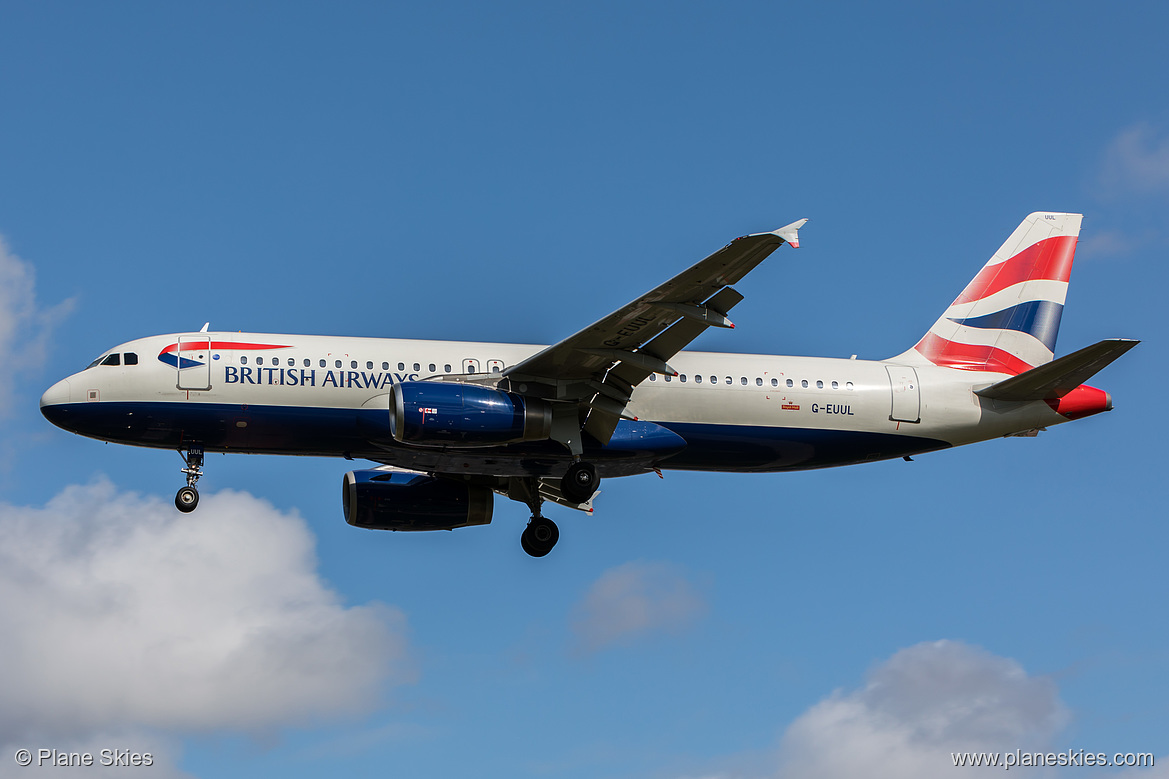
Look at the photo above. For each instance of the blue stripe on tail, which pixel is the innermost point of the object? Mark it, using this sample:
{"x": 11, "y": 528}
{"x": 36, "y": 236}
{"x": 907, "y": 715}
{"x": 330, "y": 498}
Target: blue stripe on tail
{"x": 1039, "y": 318}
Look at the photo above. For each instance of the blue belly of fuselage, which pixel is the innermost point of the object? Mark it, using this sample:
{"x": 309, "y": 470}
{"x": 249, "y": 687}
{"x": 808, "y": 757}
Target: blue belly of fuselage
{"x": 364, "y": 434}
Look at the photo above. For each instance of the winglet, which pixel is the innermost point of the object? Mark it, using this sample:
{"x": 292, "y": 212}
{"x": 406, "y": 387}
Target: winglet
{"x": 790, "y": 233}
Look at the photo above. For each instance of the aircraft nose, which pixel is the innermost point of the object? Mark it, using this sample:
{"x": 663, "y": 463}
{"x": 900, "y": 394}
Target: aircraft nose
{"x": 55, "y": 395}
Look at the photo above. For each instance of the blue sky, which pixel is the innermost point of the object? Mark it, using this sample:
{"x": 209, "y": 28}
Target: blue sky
{"x": 513, "y": 172}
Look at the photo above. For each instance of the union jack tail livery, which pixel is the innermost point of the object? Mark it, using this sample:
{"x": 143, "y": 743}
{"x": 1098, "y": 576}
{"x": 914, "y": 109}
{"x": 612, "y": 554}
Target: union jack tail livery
{"x": 1007, "y": 318}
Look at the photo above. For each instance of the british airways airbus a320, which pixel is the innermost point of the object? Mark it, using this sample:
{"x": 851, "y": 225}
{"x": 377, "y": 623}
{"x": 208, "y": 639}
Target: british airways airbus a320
{"x": 452, "y": 423}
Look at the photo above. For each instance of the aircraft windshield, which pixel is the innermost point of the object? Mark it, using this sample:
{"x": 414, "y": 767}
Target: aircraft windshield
{"x": 95, "y": 362}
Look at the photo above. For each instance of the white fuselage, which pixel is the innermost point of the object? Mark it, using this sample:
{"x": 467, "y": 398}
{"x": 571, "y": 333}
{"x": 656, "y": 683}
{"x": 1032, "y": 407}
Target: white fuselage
{"x": 325, "y": 395}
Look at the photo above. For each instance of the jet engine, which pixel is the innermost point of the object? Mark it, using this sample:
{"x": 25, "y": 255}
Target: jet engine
{"x": 381, "y": 500}
{"x": 436, "y": 413}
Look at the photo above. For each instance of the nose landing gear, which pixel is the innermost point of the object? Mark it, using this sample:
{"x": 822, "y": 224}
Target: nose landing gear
{"x": 187, "y": 498}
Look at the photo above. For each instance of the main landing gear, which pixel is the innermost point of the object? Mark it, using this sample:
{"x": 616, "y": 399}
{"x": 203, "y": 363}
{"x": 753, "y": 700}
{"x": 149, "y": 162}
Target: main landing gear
{"x": 539, "y": 536}
{"x": 187, "y": 498}
{"x": 579, "y": 482}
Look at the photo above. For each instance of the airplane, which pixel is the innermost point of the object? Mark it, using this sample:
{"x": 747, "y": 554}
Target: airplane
{"x": 449, "y": 424}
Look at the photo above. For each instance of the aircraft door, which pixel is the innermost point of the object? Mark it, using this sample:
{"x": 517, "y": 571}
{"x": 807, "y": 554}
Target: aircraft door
{"x": 470, "y": 366}
{"x": 906, "y": 404}
{"x": 194, "y": 362}
{"x": 495, "y": 366}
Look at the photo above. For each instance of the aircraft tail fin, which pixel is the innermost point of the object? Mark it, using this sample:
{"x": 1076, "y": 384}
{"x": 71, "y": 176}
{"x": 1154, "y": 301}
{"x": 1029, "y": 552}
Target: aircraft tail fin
{"x": 1007, "y": 318}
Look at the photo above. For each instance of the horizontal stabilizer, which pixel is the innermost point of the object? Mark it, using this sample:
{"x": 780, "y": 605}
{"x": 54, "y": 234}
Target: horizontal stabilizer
{"x": 1059, "y": 377}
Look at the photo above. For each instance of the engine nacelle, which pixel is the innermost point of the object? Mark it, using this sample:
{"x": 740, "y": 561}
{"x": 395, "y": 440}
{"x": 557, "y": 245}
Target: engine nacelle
{"x": 436, "y": 413}
{"x": 381, "y": 500}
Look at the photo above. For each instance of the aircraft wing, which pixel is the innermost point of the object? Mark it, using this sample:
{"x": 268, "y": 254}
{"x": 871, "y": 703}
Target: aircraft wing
{"x": 600, "y": 365}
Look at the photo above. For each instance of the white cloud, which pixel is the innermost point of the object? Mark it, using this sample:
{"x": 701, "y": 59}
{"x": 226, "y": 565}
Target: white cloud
{"x": 917, "y": 708}
{"x": 1136, "y": 161}
{"x": 1109, "y": 243}
{"x": 118, "y": 615}
{"x": 24, "y": 325}
{"x": 633, "y": 600}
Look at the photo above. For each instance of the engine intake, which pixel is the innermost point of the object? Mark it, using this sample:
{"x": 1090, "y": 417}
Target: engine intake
{"x": 381, "y": 500}
{"x": 435, "y": 413}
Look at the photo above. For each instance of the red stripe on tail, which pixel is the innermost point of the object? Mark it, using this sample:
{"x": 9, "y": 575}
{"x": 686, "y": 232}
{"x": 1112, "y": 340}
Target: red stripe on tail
{"x": 1050, "y": 259}
{"x": 969, "y": 357}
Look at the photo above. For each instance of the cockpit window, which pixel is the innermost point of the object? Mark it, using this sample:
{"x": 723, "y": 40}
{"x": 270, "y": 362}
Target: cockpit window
{"x": 95, "y": 362}
{"x": 130, "y": 358}
{"x": 113, "y": 359}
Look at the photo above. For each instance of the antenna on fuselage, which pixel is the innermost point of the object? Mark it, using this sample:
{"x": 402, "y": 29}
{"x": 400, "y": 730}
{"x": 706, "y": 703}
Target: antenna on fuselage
{"x": 205, "y": 326}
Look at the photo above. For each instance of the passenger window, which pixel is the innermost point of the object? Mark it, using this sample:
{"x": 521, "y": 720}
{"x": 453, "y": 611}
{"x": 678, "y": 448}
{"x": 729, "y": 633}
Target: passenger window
{"x": 307, "y": 362}
{"x": 819, "y": 384}
{"x": 259, "y": 361}
{"x": 131, "y": 358}
{"x": 743, "y": 380}
{"x": 401, "y": 366}
{"x": 385, "y": 366}
{"x": 417, "y": 367}
{"x": 431, "y": 368}
{"x": 352, "y": 364}
{"x": 336, "y": 363}
{"x": 714, "y": 379}
{"x": 758, "y": 382}
{"x": 682, "y": 378}
{"x": 698, "y": 378}
{"x": 835, "y": 385}
{"x": 669, "y": 377}
{"x": 113, "y": 359}
{"x": 243, "y": 359}
{"x": 775, "y": 382}
{"x": 653, "y": 377}
{"x": 323, "y": 363}
{"x": 730, "y": 380}
{"x": 791, "y": 383}
{"x": 369, "y": 365}
{"x": 848, "y": 385}
{"x": 804, "y": 383}
{"x": 446, "y": 369}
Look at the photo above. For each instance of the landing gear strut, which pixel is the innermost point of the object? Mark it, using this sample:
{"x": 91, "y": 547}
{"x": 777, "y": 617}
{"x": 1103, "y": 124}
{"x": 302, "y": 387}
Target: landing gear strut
{"x": 187, "y": 498}
{"x": 541, "y": 534}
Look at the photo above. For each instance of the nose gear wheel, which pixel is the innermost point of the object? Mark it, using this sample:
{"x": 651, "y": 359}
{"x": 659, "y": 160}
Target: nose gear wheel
{"x": 187, "y": 498}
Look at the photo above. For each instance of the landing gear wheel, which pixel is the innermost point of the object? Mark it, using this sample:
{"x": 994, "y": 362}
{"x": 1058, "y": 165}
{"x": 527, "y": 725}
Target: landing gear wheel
{"x": 579, "y": 482}
{"x": 539, "y": 536}
{"x": 186, "y": 499}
